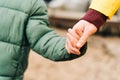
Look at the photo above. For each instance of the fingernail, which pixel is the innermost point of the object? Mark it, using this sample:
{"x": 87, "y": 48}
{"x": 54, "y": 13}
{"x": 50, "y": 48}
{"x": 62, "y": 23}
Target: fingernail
{"x": 79, "y": 53}
{"x": 78, "y": 44}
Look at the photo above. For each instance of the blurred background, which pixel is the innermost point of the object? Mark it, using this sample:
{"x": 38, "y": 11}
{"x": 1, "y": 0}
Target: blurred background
{"x": 101, "y": 61}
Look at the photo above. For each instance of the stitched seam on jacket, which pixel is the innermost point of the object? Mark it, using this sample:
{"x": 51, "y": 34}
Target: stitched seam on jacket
{"x": 9, "y": 43}
{"x": 14, "y": 9}
{"x": 32, "y": 7}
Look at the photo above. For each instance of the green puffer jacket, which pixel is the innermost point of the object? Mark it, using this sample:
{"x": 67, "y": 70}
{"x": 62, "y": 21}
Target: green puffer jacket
{"x": 24, "y": 26}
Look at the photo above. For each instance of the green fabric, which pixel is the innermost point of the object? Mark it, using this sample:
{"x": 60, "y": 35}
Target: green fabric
{"x": 5, "y": 78}
{"x": 24, "y": 26}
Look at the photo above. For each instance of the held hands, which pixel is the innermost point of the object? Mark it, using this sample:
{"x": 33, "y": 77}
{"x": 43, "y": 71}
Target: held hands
{"x": 78, "y": 35}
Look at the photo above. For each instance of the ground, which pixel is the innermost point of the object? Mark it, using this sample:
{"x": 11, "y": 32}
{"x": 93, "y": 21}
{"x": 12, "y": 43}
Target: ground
{"x": 101, "y": 62}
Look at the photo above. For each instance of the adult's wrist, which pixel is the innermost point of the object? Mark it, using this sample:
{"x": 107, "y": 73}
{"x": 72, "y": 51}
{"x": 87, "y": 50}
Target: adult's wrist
{"x": 95, "y": 17}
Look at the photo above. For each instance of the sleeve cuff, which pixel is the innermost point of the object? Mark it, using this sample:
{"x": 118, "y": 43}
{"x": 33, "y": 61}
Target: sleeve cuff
{"x": 95, "y": 17}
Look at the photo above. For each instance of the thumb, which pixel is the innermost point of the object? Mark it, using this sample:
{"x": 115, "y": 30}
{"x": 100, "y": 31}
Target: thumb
{"x": 83, "y": 40}
{"x": 88, "y": 31}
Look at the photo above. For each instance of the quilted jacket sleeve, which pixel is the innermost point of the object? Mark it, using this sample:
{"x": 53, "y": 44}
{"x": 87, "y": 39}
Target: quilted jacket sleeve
{"x": 42, "y": 39}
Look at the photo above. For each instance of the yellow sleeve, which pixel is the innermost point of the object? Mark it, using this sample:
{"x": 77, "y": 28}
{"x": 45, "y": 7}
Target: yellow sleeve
{"x": 106, "y": 7}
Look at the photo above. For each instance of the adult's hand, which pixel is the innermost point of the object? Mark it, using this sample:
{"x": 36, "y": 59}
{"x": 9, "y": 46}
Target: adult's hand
{"x": 78, "y": 35}
{"x": 84, "y": 29}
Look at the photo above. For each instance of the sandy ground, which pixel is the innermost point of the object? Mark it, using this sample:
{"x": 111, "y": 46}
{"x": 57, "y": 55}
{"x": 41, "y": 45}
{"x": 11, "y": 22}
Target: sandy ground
{"x": 101, "y": 62}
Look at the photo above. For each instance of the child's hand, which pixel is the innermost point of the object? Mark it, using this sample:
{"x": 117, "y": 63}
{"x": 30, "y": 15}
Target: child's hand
{"x": 71, "y": 42}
